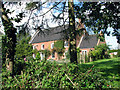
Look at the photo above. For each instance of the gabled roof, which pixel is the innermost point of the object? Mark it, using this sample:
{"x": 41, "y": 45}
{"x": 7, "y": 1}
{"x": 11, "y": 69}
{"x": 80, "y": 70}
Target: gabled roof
{"x": 89, "y": 41}
{"x": 52, "y": 34}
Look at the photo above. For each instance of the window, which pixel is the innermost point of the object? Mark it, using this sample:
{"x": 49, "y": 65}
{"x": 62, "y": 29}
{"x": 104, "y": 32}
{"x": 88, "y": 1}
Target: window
{"x": 34, "y": 47}
{"x": 53, "y": 54}
{"x": 42, "y": 55}
{"x": 42, "y": 46}
{"x": 66, "y": 44}
{"x": 52, "y": 45}
{"x": 84, "y": 52}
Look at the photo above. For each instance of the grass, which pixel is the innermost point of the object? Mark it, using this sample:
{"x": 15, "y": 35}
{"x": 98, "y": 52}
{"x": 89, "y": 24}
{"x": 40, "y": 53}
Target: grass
{"x": 109, "y": 69}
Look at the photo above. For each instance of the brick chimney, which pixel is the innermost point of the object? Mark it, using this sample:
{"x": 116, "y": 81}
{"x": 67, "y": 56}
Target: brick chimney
{"x": 81, "y": 25}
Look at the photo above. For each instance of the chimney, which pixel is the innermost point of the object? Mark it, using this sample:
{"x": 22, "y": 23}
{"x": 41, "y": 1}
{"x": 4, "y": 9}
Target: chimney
{"x": 81, "y": 25}
{"x": 101, "y": 33}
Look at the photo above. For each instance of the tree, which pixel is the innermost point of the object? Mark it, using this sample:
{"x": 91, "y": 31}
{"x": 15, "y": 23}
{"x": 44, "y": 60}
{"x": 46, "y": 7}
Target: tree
{"x": 10, "y": 40}
{"x": 72, "y": 37}
{"x": 100, "y": 15}
{"x": 23, "y": 48}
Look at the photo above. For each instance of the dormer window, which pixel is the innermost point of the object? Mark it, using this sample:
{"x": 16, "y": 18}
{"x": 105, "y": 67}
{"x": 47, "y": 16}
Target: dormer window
{"x": 42, "y": 47}
{"x": 52, "y": 45}
{"x": 66, "y": 44}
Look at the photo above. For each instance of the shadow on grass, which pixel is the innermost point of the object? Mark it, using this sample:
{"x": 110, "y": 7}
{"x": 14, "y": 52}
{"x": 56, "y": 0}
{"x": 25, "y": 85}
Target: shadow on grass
{"x": 109, "y": 69}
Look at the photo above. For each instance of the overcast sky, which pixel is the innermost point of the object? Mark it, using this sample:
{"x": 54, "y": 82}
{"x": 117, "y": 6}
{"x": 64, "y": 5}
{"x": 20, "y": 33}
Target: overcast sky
{"x": 110, "y": 40}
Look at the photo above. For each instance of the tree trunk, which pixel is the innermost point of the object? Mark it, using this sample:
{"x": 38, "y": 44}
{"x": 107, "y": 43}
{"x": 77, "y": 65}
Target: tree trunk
{"x": 10, "y": 39}
{"x": 72, "y": 48}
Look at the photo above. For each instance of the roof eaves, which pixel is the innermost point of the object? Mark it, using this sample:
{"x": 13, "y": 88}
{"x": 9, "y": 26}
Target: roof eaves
{"x": 33, "y": 37}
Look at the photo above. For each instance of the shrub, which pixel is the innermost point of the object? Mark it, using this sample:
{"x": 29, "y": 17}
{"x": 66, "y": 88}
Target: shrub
{"x": 38, "y": 56}
{"x": 51, "y": 75}
{"x": 67, "y": 54}
{"x": 100, "y": 52}
{"x": 23, "y": 48}
{"x": 118, "y": 53}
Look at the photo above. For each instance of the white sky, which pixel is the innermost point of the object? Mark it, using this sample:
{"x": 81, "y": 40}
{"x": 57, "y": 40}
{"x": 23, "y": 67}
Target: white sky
{"x": 110, "y": 40}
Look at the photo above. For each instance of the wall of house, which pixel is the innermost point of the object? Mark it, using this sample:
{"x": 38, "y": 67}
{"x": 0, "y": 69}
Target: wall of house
{"x": 47, "y": 45}
{"x": 82, "y": 54}
{"x": 86, "y": 49}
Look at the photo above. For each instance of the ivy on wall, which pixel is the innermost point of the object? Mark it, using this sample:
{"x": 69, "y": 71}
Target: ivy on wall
{"x": 59, "y": 47}
{"x": 59, "y": 44}
{"x": 46, "y": 52}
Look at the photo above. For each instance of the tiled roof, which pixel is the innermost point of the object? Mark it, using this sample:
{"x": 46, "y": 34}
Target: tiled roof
{"x": 52, "y": 34}
{"x": 89, "y": 41}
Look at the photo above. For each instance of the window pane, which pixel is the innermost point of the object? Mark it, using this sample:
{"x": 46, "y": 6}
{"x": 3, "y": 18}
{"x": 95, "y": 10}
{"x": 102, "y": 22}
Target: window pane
{"x": 52, "y": 45}
{"x": 53, "y": 54}
{"x": 66, "y": 43}
{"x": 42, "y": 46}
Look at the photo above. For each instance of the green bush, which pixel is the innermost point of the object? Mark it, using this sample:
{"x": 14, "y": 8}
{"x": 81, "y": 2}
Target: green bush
{"x": 118, "y": 53}
{"x": 23, "y": 48}
{"x": 38, "y": 56}
{"x": 43, "y": 74}
{"x": 67, "y": 54}
{"x": 59, "y": 48}
{"x": 100, "y": 52}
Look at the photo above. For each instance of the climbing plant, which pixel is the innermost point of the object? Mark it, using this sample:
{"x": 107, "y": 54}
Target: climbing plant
{"x": 46, "y": 52}
{"x": 59, "y": 47}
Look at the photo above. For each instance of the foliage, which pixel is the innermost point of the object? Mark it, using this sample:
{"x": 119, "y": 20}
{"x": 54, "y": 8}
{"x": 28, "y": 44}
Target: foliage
{"x": 100, "y": 52}
{"x": 86, "y": 58}
{"x": 33, "y": 5}
{"x": 23, "y": 48}
{"x": 46, "y": 52}
{"x": 1, "y": 39}
{"x": 10, "y": 34}
{"x": 100, "y": 16}
{"x": 4, "y": 48}
{"x": 42, "y": 74}
{"x": 67, "y": 54}
{"x": 38, "y": 56}
{"x": 59, "y": 47}
{"x": 118, "y": 53}
{"x": 78, "y": 54}
{"x": 101, "y": 37}
{"x": 110, "y": 51}
{"x": 10, "y": 37}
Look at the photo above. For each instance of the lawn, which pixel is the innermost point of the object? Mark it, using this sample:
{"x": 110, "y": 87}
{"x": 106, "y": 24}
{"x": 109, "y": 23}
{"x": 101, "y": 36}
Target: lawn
{"x": 109, "y": 69}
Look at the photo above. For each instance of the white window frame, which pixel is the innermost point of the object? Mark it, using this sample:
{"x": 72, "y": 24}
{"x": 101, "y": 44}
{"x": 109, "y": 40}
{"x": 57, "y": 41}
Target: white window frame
{"x": 52, "y": 45}
{"x": 42, "y": 55}
{"x": 83, "y": 52}
{"x": 65, "y": 44}
{"x": 42, "y": 48}
{"x": 34, "y": 47}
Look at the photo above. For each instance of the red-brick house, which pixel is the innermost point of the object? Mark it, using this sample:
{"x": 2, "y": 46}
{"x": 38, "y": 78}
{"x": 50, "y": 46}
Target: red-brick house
{"x": 88, "y": 43}
{"x": 46, "y": 39}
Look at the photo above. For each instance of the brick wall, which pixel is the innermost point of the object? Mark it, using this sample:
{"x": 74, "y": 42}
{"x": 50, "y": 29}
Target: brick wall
{"x": 47, "y": 45}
